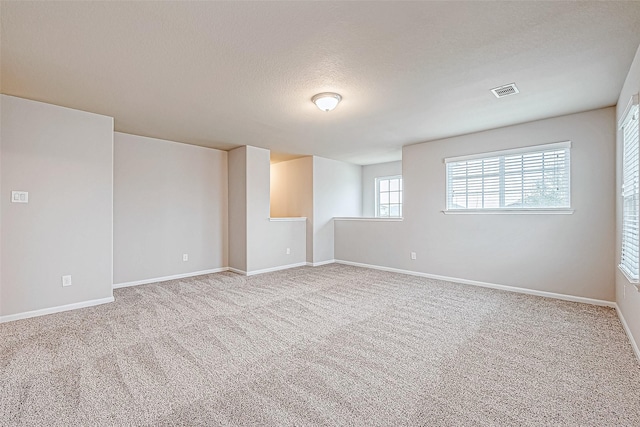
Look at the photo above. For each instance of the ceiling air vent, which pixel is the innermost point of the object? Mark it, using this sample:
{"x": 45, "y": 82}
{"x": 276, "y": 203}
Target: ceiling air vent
{"x": 506, "y": 90}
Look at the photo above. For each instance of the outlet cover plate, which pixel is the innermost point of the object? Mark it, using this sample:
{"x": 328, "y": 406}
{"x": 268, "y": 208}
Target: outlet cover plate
{"x": 19, "y": 197}
{"x": 66, "y": 281}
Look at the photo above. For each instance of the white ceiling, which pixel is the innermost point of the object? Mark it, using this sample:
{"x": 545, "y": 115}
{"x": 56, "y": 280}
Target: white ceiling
{"x": 223, "y": 74}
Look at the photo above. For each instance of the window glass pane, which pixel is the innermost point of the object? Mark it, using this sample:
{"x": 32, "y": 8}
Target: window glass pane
{"x": 389, "y": 197}
{"x": 491, "y": 184}
{"x": 491, "y": 166}
{"x": 474, "y": 201}
{"x": 474, "y": 167}
{"x": 474, "y": 184}
{"x": 491, "y": 200}
{"x": 630, "y": 253}
{"x": 536, "y": 179}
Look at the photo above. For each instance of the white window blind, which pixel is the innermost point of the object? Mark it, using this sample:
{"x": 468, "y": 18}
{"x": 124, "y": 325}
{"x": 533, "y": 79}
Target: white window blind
{"x": 389, "y": 196}
{"x": 527, "y": 178}
{"x": 630, "y": 257}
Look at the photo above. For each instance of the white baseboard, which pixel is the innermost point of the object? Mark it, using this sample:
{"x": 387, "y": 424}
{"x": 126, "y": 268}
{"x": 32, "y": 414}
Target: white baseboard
{"x": 280, "y": 267}
{"x": 625, "y": 326}
{"x": 487, "y": 285}
{"x": 318, "y": 264}
{"x": 165, "y": 278}
{"x": 51, "y": 310}
{"x": 267, "y": 270}
{"x": 215, "y": 270}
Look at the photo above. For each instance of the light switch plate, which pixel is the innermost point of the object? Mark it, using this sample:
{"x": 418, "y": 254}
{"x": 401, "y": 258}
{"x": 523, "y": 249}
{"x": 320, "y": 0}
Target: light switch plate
{"x": 19, "y": 197}
{"x": 66, "y": 280}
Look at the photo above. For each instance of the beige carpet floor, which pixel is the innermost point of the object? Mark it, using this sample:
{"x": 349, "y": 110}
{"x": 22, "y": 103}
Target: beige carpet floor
{"x": 324, "y": 346}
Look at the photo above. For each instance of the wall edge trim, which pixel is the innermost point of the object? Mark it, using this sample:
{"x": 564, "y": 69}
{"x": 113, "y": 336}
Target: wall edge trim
{"x": 627, "y": 330}
{"x": 526, "y": 291}
{"x": 280, "y": 267}
{"x": 318, "y": 264}
{"x": 57, "y": 309}
{"x": 166, "y": 278}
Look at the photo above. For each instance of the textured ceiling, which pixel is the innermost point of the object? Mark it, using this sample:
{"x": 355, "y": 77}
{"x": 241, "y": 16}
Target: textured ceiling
{"x": 223, "y": 74}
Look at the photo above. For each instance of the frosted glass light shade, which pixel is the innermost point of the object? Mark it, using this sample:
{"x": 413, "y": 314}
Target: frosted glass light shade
{"x": 326, "y": 101}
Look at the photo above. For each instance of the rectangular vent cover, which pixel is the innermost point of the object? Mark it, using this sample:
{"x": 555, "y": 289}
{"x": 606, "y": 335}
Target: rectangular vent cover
{"x": 506, "y": 90}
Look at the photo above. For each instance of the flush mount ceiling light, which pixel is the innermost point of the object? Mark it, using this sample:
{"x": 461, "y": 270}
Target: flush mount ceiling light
{"x": 326, "y": 101}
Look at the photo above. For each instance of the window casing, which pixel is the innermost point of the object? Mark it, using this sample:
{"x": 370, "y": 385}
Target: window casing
{"x": 389, "y": 196}
{"x": 630, "y": 129}
{"x": 530, "y": 178}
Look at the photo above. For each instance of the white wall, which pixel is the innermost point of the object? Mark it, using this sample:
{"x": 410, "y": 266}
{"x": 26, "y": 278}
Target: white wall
{"x": 318, "y": 189}
{"x": 627, "y": 297}
{"x": 369, "y": 175}
{"x": 567, "y": 254}
{"x": 64, "y": 159}
{"x": 262, "y": 243}
{"x": 292, "y": 193}
{"x": 337, "y": 192}
{"x": 238, "y": 208}
{"x": 170, "y": 199}
{"x": 1, "y": 102}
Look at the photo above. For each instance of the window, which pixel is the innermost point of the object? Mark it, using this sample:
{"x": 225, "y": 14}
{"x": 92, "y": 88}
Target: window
{"x": 389, "y": 196}
{"x": 521, "y": 179}
{"x": 630, "y": 258}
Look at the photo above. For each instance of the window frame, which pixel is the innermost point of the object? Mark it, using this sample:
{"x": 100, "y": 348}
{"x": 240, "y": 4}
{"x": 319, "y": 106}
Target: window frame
{"x": 567, "y": 145}
{"x": 632, "y": 109}
{"x": 377, "y": 198}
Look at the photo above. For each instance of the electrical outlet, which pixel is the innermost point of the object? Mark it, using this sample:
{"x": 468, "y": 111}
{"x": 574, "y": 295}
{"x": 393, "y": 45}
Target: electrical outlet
{"x": 19, "y": 197}
{"x": 66, "y": 281}
{"x": 288, "y": 251}
{"x": 185, "y": 257}
{"x": 413, "y": 255}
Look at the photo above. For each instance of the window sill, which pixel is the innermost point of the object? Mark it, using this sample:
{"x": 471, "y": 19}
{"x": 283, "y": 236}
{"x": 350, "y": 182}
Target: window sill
{"x": 562, "y": 211}
{"x": 368, "y": 218}
{"x": 634, "y": 282}
{"x": 290, "y": 219}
